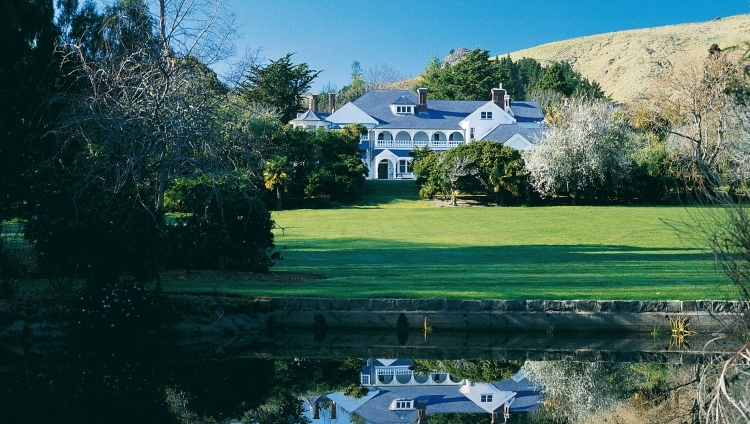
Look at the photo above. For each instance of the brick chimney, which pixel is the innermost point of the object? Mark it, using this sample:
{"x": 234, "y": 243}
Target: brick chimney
{"x": 500, "y": 97}
{"x": 422, "y": 107}
{"x": 331, "y": 102}
{"x": 421, "y": 416}
{"x": 333, "y": 410}
{"x": 314, "y": 102}
{"x": 316, "y": 411}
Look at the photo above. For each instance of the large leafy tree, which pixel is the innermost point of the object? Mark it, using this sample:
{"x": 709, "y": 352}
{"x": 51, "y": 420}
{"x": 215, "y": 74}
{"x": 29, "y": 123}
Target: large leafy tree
{"x": 476, "y": 371}
{"x": 279, "y": 84}
{"x": 27, "y": 74}
{"x": 335, "y": 169}
{"x": 481, "y": 166}
{"x": 146, "y": 111}
{"x": 472, "y": 78}
{"x": 562, "y": 78}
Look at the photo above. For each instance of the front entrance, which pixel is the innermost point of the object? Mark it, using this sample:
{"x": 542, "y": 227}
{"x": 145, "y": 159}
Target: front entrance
{"x": 383, "y": 170}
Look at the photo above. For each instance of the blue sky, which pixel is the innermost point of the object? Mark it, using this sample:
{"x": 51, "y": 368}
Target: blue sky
{"x": 329, "y": 34}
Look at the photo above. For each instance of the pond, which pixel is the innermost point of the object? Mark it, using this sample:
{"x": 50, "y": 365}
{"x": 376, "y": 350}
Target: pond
{"x": 284, "y": 375}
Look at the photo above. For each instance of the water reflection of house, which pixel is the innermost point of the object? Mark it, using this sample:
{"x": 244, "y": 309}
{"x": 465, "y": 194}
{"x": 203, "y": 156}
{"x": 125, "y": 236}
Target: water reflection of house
{"x": 397, "y": 395}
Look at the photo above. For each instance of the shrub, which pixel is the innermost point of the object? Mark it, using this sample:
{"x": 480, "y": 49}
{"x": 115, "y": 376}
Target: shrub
{"x": 227, "y": 228}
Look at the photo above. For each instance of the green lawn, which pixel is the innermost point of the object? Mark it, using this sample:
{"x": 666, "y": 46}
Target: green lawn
{"x": 391, "y": 244}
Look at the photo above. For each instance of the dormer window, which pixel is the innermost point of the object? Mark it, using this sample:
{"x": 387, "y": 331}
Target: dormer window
{"x": 403, "y": 106}
{"x": 485, "y": 398}
{"x": 486, "y": 115}
{"x": 402, "y": 405}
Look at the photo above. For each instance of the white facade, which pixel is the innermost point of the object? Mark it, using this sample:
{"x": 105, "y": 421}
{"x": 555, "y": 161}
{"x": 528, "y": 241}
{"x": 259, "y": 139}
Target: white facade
{"x": 399, "y": 121}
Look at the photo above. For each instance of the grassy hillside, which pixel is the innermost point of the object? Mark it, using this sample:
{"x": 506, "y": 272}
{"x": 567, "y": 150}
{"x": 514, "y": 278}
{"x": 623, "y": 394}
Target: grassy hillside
{"x": 627, "y": 62}
{"x": 392, "y": 244}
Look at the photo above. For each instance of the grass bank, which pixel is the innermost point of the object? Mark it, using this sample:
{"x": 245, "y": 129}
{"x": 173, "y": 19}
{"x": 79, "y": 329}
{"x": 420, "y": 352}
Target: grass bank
{"x": 392, "y": 244}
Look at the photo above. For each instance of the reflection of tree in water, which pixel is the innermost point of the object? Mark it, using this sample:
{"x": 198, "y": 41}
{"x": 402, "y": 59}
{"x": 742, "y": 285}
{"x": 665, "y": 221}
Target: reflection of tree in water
{"x": 460, "y": 419}
{"x": 723, "y": 389}
{"x": 582, "y": 392}
{"x": 476, "y": 370}
{"x": 146, "y": 383}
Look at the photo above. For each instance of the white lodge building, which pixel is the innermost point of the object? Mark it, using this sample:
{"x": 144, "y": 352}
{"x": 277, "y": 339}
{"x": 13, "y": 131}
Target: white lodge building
{"x": 400, "y": 120}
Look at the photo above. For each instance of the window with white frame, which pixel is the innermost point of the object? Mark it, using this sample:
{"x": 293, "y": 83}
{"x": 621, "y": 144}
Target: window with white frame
{"x": 486, "y": 398}
{"x": 402, "y": 404}
{"x": 486, "y": 115}
{"x": 471, "y": 133}
{"x": 364, "y": 379}
{"x": 404, "y": 167}
{"x": 365, "y": 136}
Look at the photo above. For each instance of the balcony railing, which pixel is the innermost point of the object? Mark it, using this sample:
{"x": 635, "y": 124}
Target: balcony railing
{"x": 393, "y": 371}
{"x": 438, "y": 144}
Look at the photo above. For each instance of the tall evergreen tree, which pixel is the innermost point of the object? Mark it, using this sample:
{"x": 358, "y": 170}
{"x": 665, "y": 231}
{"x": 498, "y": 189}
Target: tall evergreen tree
{"x": 279, "y": 84}
{"x": 27, "y": 74}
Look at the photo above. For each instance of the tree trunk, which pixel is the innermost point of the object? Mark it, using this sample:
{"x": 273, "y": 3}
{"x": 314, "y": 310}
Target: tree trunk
{"x": 278, "y": 197}
{"x": 163, "y": 24}
{"x": 160, "y": 182}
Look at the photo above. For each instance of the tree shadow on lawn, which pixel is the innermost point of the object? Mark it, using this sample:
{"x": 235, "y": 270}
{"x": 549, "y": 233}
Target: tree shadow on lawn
{"x": 477, "y": 266}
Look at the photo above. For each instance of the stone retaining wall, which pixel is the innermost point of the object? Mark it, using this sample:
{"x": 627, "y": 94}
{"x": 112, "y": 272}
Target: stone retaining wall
{"x": 484, "y": 315}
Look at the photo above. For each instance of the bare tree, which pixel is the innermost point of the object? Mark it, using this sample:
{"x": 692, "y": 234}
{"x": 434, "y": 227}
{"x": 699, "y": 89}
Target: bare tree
{"x": 148, "y": 101}
{"x": 383, "y": 76}
{"x": 145, "y": 110}
{"x": 723, "y": 388}
{"x": 723, "y": 381}
{"x": 700, "y": 111}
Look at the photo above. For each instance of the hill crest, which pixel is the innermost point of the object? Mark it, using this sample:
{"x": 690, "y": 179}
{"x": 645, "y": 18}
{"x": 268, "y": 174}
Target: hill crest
{"x": 625, "y": 63}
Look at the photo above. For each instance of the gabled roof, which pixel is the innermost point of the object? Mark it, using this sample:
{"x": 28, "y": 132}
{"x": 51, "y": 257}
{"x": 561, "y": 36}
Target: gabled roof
{"x": 398, "y": 153}
{"x": 309, "y": 115}
{"x": 527, "y": 111}
{"x": 391, "y": 362}
{"x": 503, "y": 133}
{"x": 403, "y": 101}
{"x": 439, "y": 400}
{"x": 441, "y": 114}
{"x": 350, "y": 113}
